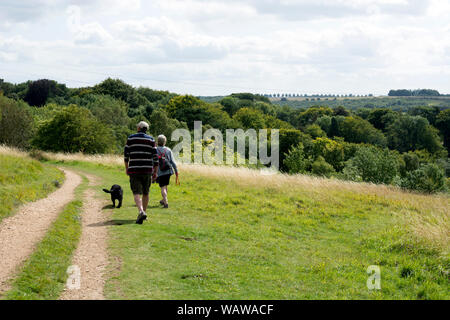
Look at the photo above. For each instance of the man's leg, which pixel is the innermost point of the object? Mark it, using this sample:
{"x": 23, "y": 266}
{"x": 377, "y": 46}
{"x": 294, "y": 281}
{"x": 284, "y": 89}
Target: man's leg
{"x": 145, "y": 199}
{"x": 138, "y": 201}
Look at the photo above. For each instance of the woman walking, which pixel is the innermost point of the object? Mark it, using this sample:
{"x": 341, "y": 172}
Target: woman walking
{"x": 166, "y": 168}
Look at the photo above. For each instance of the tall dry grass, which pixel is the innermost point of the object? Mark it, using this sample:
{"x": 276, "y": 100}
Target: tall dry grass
{"x": 428, "y": 216}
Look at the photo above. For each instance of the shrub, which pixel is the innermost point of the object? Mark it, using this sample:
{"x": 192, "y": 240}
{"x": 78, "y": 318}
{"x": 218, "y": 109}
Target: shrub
{"x": 16, "y": 123}
{"x": 322, "y": 168}
{"x": 428, "y": 178}
{"x": 332, "y": 151}
{"x": 290, "y": 138}
{"x": 74, "y": 129}
{"x": 295, "y": 161}
{"x": 372, "y": 164}
{"x": 37, "y": 155}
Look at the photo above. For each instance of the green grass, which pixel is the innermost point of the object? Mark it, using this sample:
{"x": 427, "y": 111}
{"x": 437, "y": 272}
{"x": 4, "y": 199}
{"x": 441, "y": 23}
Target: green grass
{"x": 224, "y": 240}
{"x": 23, "y": 180}
{"x": 44, "y": 274}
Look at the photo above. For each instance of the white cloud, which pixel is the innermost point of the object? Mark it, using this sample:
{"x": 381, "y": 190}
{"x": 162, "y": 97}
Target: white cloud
{"x": 89, "y": 33}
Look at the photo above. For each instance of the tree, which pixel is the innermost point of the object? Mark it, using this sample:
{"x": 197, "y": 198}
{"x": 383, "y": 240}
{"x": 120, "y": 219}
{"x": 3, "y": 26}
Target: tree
{"x": 310, "y": 115}
{"x": 295, "y": 160}
{"x": 358, "y": 130}
{"x": 160, "y": 123}
{"x": 322, "y": 168}
{"x": 38, "y": 92}
{"x": 106, "y": 109}
{"x": 324, "y": 123}
{"x": 288, "y": 139}
{"x": 372, "y": 164}
{"x": 188, "y": 109}
{"x": 16, "y": 123}
{"x": 428, "y": 178}
{"x": 272, "y": 122}
{"x": 400, "y": 92}
{"x": 443, "y": 124}
{"x": 121, "y": 90}
{"x": 413, "y": 133}
{"x": 429, "y": 113}
{"x": 334, "y": 127}
{"x": 315, "y": 131}
{"x": 230, "y": 105}
{"x": 380, "y": 117}
{"x": 332, "y": 151}
{"x": 250, "y": 118}
{"x": 152, "y": 95}
{"x": 341, "y": 111}
{"x": 74, "y": 129}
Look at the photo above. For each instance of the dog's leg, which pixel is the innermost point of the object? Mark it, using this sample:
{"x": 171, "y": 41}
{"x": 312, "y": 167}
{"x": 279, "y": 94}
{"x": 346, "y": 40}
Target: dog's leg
{"x": 120, "y": 203}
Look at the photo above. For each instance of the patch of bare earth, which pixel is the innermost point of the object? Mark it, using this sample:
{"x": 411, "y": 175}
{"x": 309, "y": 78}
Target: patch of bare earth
{"x": 91, "y": 255}
{"x": 20, "y": 233}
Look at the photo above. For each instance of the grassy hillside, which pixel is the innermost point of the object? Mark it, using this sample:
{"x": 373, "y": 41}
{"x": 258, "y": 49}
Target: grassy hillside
{"x": 23, "y": 179}
{"x": 236, "y": 234}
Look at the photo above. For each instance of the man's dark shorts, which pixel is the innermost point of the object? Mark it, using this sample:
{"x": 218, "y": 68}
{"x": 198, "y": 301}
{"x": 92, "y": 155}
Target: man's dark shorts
{"x": 140, "y": 183}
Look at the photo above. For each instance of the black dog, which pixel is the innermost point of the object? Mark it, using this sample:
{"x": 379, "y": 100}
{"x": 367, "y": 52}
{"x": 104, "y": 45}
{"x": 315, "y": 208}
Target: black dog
{"x": 116, "y": 194}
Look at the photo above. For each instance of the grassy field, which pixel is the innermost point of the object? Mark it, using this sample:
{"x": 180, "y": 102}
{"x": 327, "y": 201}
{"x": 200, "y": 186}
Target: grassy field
{"x": 236, "y": 234}
{"x": 23, "y": 179}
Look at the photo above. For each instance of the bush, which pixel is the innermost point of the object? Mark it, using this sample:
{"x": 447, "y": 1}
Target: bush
{"x": 428, "y": 178}
{"x": 295, "y": 161}
{"x": 290, "y": 138}
{"x": 74, "y": 129}
{"x": 16, "y": 123}
{"x": 372, "y": 164}
{"x": 332, "y": 151}
{"x": 322, "y": 168}
{"x": 38, "y": 155}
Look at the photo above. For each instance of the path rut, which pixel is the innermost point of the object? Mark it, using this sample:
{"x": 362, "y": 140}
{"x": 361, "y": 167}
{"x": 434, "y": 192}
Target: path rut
{"x": 91, "y": 255}
{"x": 20, "y": 233}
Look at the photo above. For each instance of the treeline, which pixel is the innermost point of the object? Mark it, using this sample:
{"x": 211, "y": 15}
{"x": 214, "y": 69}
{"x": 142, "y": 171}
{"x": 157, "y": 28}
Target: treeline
{"x": 395, "y": 103}
{"x": 417, "y": 92}
{"x": 379, "y": 145}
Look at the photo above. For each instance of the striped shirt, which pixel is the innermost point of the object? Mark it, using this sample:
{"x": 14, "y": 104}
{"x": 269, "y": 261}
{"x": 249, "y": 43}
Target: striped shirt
{"x": 140, "y": 153}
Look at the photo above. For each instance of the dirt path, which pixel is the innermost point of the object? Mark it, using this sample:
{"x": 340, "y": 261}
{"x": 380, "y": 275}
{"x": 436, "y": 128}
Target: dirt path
{"x": 91, "y": 255}
{"x": 20, "y": 233}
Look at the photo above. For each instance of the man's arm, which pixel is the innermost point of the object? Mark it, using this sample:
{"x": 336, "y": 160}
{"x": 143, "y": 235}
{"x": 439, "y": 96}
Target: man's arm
{"x": 126, "y": 166}
{"x": 126, "y": 157}
{"x": 155, "y": 161}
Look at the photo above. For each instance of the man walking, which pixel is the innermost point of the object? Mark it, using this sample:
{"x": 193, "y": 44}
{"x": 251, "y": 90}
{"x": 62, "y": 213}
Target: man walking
{"x": 141, "y": 162}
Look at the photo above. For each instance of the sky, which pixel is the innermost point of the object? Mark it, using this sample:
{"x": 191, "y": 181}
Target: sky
{"x": 220, "y": 47}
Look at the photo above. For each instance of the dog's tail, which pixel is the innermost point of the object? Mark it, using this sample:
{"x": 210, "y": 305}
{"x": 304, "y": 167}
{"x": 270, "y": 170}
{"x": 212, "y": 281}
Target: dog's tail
{"x": 106, "y": 190}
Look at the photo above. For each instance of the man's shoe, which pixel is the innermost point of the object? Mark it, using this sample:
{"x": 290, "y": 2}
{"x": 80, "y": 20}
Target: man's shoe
{"x": 166, "y": 206}
{"x": 161, "y": 202}
{"x": 141, "y": 217}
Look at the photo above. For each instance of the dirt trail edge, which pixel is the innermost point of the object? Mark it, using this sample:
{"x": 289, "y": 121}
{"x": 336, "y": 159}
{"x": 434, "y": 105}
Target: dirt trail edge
{"x": 91, "y": 255}
{"x": 20, "y": 233}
